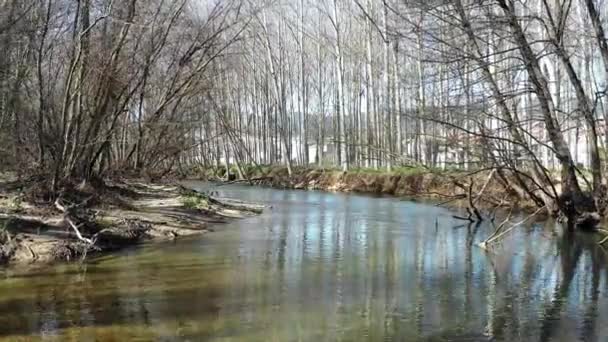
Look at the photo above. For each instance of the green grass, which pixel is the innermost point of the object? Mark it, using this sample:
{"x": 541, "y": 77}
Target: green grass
{"x": 194, "y": 202}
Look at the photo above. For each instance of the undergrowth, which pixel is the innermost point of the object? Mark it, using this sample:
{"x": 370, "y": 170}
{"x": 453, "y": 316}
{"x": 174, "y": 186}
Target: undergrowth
{"x": 194, "y": 202}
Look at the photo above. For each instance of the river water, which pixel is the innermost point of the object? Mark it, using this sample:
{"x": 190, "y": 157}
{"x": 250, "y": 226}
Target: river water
{"x": 322, "y": 267}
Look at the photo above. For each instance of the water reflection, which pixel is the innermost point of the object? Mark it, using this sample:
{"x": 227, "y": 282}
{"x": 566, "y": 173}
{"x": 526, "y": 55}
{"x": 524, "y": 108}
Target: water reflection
{"x": 325, "y": 267}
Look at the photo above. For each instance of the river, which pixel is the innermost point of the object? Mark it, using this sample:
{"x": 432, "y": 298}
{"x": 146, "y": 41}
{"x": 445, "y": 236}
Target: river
{"x": 322, "y": 267}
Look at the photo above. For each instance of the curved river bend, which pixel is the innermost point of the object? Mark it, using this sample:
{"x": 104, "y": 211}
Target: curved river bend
{"x": 322, "y": 267}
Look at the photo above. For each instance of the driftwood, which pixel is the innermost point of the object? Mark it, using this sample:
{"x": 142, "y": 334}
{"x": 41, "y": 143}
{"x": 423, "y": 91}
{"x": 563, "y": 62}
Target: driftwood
{"x": 250, "y": 181}
{"x": 69, "y": 218}
{"x": 239, "y": 205}
{"x": 227, "y": 203}
{"x": 127, "y": 232}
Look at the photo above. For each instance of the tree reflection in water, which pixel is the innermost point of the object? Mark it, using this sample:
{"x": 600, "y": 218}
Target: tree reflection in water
{"x": 323, "y": 266}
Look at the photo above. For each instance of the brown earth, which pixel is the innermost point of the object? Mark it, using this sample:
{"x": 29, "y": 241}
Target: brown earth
{"x": 127, "y": 214}
{"x": 451, "y": 187}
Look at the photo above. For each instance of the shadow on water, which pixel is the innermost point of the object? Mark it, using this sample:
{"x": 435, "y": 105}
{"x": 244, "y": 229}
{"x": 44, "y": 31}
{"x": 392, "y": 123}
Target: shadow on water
{"x": 322, "y": 266}
{"x": 579, "y": 257}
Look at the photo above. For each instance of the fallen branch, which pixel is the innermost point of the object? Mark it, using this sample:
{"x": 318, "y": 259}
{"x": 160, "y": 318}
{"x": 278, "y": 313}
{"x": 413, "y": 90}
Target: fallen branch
{"x": 250, "y": 181}
{"x": 605, "y": 232}
{"x": 495, "y": 236}
{"x": 77, "y": 232}
{"x": 463, "y": 218}
{"x": 456, "y": 198}
{"x": 242, "y": 206}
{"x": 230, "y": 204}
{"x": 498, "y": 229}
{"x": 435, "y": 193}
{"x": 66, "y": 216}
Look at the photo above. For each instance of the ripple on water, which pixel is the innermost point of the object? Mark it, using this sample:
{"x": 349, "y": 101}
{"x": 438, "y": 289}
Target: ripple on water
{"x": 323, "y": 267}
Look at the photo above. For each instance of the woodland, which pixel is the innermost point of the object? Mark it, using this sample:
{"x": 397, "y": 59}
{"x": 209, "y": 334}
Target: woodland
{"x": 90, "y": 89}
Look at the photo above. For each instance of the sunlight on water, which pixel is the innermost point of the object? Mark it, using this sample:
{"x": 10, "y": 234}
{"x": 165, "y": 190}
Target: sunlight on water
{"x": 322, "y": 267}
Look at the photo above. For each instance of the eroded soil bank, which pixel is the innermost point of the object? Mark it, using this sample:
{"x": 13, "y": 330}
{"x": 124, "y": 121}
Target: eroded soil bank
{"x": 444, "y": 187}
{"x": 119, "y": 215}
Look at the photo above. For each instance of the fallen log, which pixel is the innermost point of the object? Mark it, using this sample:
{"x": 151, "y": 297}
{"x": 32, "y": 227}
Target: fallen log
{"x": 224, "y": 203}
{"x": 239, "y": 205}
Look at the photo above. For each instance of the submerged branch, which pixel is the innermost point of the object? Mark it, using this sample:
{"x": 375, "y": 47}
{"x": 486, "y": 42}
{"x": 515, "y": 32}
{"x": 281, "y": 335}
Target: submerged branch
{"x": 497, "y": 234}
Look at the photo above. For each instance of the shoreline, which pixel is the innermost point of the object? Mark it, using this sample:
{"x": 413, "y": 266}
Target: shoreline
{"x": 136, "y": 212}
{"x": 445, "y": 188}
{"x": 128, "y": 212}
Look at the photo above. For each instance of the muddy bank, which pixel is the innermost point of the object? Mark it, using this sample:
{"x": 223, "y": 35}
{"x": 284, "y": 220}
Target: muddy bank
{"x": 121, "y": 215}
{"x": 444, "y": 187}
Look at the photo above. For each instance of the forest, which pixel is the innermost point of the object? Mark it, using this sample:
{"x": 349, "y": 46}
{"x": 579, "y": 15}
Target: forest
{"x": 93, "y": 88}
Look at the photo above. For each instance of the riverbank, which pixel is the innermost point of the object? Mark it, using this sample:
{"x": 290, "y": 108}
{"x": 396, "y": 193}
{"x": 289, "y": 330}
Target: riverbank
{"x": 449, "y": 187}
{"x": 385, "y": 259}
{"x": 103, "y": 218}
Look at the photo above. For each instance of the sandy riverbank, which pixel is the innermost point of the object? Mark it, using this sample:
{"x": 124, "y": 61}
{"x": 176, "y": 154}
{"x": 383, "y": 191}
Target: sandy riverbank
{"x": 121, "y": 214}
